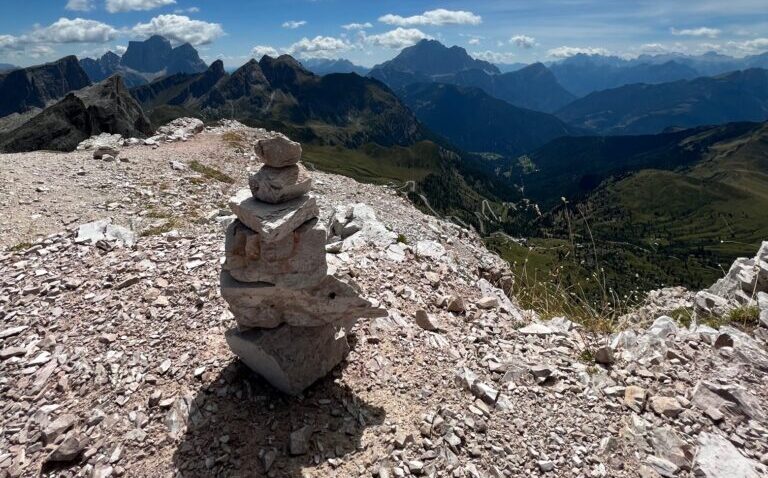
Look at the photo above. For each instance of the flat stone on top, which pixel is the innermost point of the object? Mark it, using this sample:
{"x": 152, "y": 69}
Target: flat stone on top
{"x": 273, "y": 221}
{"x": 278, "y": 151}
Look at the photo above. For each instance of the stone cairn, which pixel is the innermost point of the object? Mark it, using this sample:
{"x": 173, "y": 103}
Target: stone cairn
{"x": 292, "y": 316}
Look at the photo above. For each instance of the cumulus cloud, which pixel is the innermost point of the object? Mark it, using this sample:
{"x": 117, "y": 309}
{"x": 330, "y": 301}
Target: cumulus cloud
{"x": 398, "y": 38}
{"x": 319, "y": 47}
{"x": 8, "y": 42}
{"x": 750, "y": 46}
{"x": 523, "y": 41}
{"x": 436, "y": 17}
{"x": 569, "y": 51}
{"x": 494, "y": 56}
{"x": 78, "y": 30}
{"x": 115, "y": 6}
{"x": 474, "y": 41}
{"x": 294, "y": 24}
{"x": 260, "y": 50}
{"x": 79, "y": 5}
{"x": 19, "y": 47}
{"x": 697, "y": 32}
{"x": 180, "y": 29}
{"x": 357, "y": 26}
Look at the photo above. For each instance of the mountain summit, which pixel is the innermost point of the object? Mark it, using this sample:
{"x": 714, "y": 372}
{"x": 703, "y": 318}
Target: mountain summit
{"x": 34, "y": 87}
{"x": 156, "y": 54}
{"x": 430, "y": 58}
{"x": 533, "y": 87}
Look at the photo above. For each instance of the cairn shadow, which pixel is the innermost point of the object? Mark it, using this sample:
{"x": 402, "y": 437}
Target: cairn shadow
{"x": 240, "y": 426}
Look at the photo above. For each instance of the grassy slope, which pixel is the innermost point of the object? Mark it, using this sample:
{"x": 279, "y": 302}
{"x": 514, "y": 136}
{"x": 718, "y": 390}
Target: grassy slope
{"x": 685, "y": 226}
{"x": 375, "y": 164}
{"x": 655, "y": 227}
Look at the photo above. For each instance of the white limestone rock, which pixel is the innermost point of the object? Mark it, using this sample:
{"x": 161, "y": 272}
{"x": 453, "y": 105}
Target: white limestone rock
{"x": 358, "y": 227}
{"x": 180, "y": 129}
{"x": 105, "y": 140}
{"x": 719, "y": 458}
{"x": 431, "y": 249}
{"x": 104, "y": 230}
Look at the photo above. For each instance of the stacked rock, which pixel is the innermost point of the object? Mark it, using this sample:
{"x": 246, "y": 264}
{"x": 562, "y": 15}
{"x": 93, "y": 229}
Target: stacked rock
{"x": 292, "y": 316}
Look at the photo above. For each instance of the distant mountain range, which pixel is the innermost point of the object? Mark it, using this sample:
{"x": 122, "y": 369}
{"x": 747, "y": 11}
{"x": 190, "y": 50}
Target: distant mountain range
{"x": 278, "y": 92}
{"x": 322, "y": 66}
{"x": 7, "y": 67}
{"x": 477, "y": 122}
{"x": 648, "y": 109}
{"x": 36, "y": 86}
{"x": 532, "y": 87}
{"x": 583, "y": 74}
{"x": 145, "y": 61}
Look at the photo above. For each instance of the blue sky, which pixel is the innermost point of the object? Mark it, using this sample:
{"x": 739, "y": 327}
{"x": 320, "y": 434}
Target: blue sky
{"x": 371, "y": 31}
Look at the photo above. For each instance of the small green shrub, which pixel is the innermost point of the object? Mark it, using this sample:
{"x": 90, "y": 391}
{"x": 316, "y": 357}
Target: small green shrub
{"x": 210, "y": 173}
{"x": 167, "y": 226}
{"x": 745, "y": 316}
{"x": 22, "y": 246}
{"x": 587, "y": 356}
{"x": 682, "y": 316}
{"x": 402, "y": 239}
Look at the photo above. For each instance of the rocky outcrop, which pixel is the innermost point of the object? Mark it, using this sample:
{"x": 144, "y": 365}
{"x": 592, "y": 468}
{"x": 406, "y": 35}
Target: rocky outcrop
{"x": 180, "y": 129}
{"x": 292, "y": 316}
{"x": 103, "y": 108}
{"x": 36, "y": 86}
{"x": 744, "y": 285}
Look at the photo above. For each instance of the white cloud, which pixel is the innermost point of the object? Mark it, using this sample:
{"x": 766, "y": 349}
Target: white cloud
{"x": 319, "y": 47}
{"x": 697, "y": 32}
{"x": 357, "y": 26}
{"x": 523, "y": 41}
{"x": 180, "y": 29}
{"x": 79, "y": 5}
{"x": 9, "y": 42}
{"x": 18, "y": 47}
{"x": 78, "y": 30}
{"x": 120, "y": 49}
{"x": 114, "y": 6}
{"x": 568, "y": 51}
{"x": 755, "y": 45}
{"x": 474, "y": 41}
{"x": 397, "y": 38}
{"x": 179, "y": 11}
{"x": 653, "y": 48}
{"x": 260, "y": 50}
{"x": 293, "y": 24}
{"x": 437, "y": 17}
{"x": 494, "y": 56}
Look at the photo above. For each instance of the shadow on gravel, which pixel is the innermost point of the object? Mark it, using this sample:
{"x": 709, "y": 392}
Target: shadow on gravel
{"x": 239, "y": 425}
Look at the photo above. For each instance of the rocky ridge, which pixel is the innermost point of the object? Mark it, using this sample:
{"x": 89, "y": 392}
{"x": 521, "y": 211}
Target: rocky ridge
{"x": 113, "y": 360}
